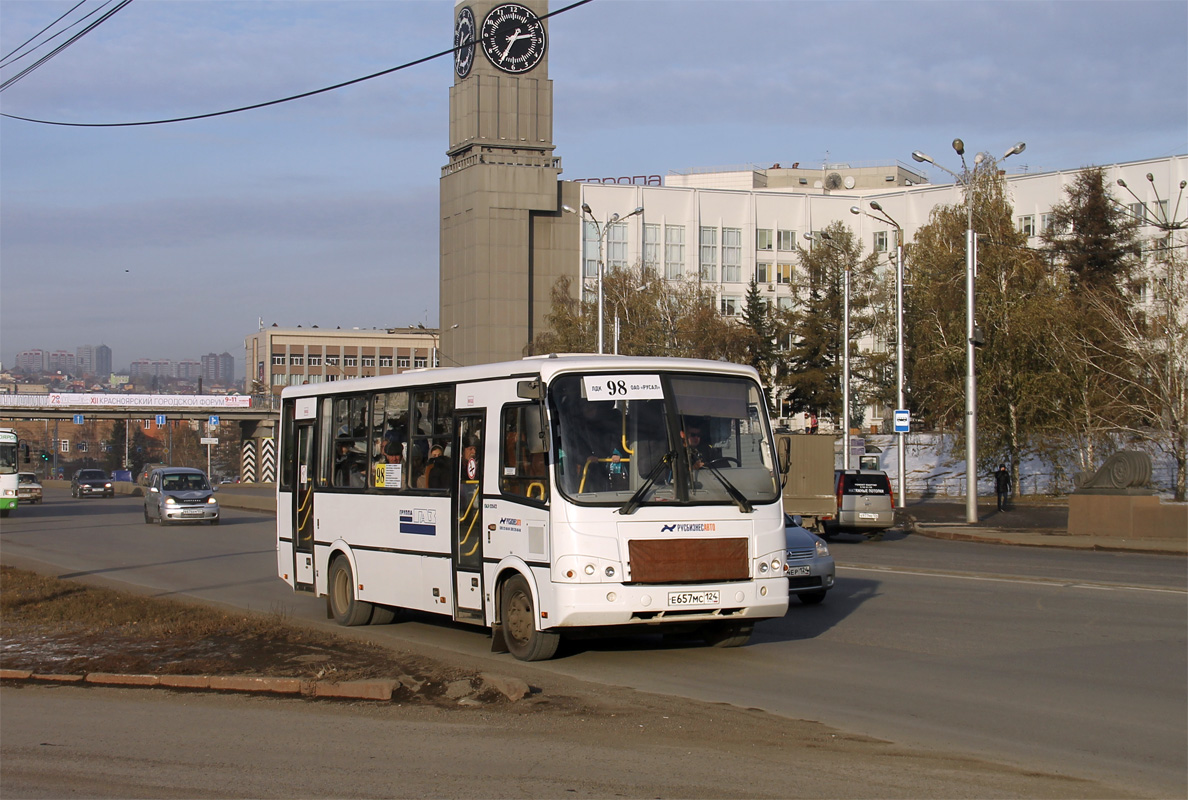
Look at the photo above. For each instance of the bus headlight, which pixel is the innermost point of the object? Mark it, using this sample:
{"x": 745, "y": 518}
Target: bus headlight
{"x": 610, "y": 572}
{"x": 589, "y": 569}
{"x": 762, "y": 567}
{"x": 775, "y": 565}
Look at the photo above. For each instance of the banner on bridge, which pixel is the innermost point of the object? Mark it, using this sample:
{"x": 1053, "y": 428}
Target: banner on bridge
{"x": 68, "y": 399}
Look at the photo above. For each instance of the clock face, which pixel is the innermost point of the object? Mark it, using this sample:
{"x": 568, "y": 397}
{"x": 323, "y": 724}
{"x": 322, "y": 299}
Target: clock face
{"x": 464, "y": 42}
{"x": 513, "y": 38}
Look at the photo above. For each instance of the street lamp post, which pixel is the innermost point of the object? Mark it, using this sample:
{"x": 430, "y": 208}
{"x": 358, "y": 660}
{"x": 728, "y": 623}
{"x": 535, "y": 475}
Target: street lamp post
{"x": 971, "y": 267}
{"x": 827, "y": 240}
{"x": 901, "y": 458}
{"x": 603, "y": 230}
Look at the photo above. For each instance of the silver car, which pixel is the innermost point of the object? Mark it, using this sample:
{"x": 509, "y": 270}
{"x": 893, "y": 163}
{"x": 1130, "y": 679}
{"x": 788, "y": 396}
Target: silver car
{"x": 180, "y": 494}
{"x": 865, "y": 503}
{"x": 810, "y": 568}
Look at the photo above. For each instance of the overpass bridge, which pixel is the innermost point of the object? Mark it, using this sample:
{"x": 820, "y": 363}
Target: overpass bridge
{"x": 255, "y": 416}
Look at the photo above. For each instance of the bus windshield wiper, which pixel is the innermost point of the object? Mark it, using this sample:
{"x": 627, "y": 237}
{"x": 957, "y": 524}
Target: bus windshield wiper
{"x": 631, "y": 505}
{"x": 744, "y": 505}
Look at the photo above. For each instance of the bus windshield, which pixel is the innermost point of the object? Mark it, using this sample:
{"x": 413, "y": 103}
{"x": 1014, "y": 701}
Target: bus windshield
{"x": 8, "y": 453}
{"x": 640, "y": 439}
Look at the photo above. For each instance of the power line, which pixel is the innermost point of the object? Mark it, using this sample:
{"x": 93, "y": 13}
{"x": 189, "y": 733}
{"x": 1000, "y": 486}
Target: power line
{"x": 67, "y": 43}
{"x": 269, "y": 102}
{"x": 43, "y": 30}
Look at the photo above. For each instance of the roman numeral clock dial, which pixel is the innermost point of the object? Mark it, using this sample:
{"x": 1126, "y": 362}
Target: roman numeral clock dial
{"x": 513, "y": 38}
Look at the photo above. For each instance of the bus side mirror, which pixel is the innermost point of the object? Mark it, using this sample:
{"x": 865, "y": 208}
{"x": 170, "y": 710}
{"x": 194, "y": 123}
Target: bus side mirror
{"x": 784, "y": 454}
{"x": 529, "y": 390}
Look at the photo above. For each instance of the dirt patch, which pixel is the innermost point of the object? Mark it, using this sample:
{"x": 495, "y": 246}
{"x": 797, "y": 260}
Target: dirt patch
{"x": 53, "y": 626}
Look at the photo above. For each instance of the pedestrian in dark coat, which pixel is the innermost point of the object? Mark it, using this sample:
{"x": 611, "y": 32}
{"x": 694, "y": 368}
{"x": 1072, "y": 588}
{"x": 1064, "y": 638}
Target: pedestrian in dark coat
{"x": 1002, "y": 485}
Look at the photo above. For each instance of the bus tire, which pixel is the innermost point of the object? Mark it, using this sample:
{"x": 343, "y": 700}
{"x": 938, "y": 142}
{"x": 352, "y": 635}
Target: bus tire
{"x": 517, "y": 614}
{"x": 728, "y": 634}
{"x": 346, "y": 608}
{"x": 381, "y": 615}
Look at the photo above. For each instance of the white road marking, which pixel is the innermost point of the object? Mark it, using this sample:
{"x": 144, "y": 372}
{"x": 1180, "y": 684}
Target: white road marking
{"x": 1107, "y": 587}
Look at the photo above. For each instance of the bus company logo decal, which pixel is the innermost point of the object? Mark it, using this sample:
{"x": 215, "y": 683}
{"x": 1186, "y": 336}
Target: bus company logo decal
{"x": 511, "y": 524}
{"x": 689, "y": 527}
{"x": 421, "y": 521}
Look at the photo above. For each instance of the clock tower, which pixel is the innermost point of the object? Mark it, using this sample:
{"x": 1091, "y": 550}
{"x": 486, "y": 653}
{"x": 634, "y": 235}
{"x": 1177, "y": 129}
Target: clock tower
{"x": 502, "y": 230}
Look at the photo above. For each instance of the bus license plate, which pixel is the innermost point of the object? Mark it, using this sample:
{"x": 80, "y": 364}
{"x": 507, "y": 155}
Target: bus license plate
{"x": 799, "y": 570}
{"x": 693, "y": 598}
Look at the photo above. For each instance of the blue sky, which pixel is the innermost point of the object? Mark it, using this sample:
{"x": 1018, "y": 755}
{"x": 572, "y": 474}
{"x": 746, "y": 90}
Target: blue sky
{"x": 171, "y": 241}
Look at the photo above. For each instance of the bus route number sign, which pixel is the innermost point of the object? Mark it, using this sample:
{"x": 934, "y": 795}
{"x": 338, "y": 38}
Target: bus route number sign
{"x": 622, "y": 387}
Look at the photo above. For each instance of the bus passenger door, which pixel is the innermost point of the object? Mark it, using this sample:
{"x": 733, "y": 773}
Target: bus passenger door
{"x": 468, "y": 516}
{"x": 303, "y": 506}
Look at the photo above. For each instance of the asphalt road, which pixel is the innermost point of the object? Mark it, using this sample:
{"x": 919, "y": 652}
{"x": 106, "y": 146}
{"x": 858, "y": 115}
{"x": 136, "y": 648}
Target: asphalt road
{"x": 1061, "y": 661}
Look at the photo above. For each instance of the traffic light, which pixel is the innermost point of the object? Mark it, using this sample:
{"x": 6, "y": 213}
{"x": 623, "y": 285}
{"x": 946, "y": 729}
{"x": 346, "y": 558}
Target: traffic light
{"x": 44, "y": 456}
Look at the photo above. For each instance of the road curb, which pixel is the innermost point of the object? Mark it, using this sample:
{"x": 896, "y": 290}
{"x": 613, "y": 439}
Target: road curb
{"x": 512, "y": 689}
{"x": 1051, "y": 540}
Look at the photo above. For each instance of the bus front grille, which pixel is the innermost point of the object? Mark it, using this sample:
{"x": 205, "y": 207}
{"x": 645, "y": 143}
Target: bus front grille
{"x": 688, "y": 560}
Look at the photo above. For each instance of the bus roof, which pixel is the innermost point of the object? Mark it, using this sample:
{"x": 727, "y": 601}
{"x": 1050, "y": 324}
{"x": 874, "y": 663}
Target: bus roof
{"x": 545, "y": 367}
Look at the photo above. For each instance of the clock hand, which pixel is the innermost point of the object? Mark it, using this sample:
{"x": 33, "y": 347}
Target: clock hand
{"x": 512, "y": 40}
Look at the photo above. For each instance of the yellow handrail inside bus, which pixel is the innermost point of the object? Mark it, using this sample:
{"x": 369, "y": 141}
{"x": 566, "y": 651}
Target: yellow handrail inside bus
{"x": 536, "y": 485}
{"x": 586, "y": 467}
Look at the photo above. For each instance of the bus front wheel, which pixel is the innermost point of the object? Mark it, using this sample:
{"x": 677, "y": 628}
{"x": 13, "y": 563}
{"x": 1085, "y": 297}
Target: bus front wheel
{"x": 346, "y": 608}
{"x": 517, "y": 613}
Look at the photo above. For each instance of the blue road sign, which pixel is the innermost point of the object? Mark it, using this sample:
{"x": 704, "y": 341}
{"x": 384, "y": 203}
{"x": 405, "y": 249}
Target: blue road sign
{"x": 214, "y": 420}
{"x": 903, "y": 420}
{"x": 160, "y": 420}
{"x": 78, "y": 419}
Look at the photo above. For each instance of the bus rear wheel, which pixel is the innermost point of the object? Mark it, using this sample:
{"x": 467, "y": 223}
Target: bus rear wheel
{"x": 517, "y": 613}
{"x": 728, "y": 634}
{"x": 346, "y": 608}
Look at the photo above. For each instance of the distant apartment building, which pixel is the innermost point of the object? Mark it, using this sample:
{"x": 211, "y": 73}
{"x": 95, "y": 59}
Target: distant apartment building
{"x": 60, "y": 361}
{"x": 219, "y": 369}
{"x": 280, "y": 357}
{"x": 31, "y": 360}
{"x": 93, "y": 359}
{"x": 187, "y": 369}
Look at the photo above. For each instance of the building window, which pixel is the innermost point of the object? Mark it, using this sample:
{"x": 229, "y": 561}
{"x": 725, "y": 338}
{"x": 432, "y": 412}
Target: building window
{"x": 651, "y": 248}
{"x": 731, "y": 306}
{"x": 784, "y": 303}
{"x": 314, "y": 379}
{"x": 1027, "y": 225}
{"x": 64, "y": 445}
{"x": 369, "y": 361}
{"x": 616, "y": 245}
{"x": 732, "y": 255}
{"x": 1046, "y": 221}
{"x": 332, "y": 360}
{"x": 350, "y": 361}
{"x": 762, "y": 273}
{"x": 297, "y": 361}
{"x": 279, "y": 379}
{"x": 81, "y": 447}
{"x": 763, "y": 239}
{"x": 590, "y": 250}
{"x": 709, "y": 254}
{"x": 278, "y": 360}
{"x": 420, "y": 361}
{"x": 784, "y": 273}
{"x": 880, "y": 241}
{"x": 674, "y": 252}
{"x": 786, "y": 240}
{"x": 315, "y": 361}
{"x": 385, "y": 361}
{"x": 402, "y": 362}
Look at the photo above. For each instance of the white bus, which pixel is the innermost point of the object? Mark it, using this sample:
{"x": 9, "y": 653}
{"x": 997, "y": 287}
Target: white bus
{"x": 8, "y": 471}
{"x": 537, "y": 498}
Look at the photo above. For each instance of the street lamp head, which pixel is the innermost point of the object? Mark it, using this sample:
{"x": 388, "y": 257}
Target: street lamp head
{"x": 875, "y": 205}
{"x": 855, "y": 210}
{"x": 1122, "y": 183}
{"x": 979, "y": 158}
{"x": 1183, "y": 184}
{"x": 808, "y": 236}
{"x": 959, "y": 146}
{"x": 638, "y": 210}
{"x": 825, "y": 235}
{"x": 614, "y": 218}
{"x": 586, "y": 208}
{"x": 1016, "y": 150}
{"x": 1150, "y": 177}
{"x": 921, "y": 157}
{"x": 569, "y": 209}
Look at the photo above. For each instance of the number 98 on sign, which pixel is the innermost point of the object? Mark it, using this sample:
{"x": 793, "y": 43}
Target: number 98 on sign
{"x": 622, "y": 387}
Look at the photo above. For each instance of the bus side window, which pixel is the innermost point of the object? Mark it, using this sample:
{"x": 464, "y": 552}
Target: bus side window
{"x": 523, "y": 465}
